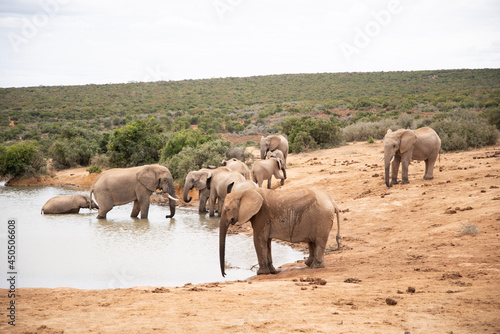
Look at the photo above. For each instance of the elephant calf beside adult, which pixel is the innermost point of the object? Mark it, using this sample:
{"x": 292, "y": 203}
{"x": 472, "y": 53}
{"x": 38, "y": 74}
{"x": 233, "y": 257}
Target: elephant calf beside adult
{"x": 265, "y": 169}
{"x": 68, "y": 204}
{"x": 402, "y": 146}
{"x": 198, "y": 180}
{"x": 120, "y": 186}
{"x": 237, "y": 166}
{"x": 305, "y": 216}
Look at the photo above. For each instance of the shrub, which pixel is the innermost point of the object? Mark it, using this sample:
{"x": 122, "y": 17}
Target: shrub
{"x": 305, "y": 133}
{"x": 138, "y": 143}
{"x": 185, "y": 138}
{"x": 189, "y": 159}
{"x": 460, "y": 130}
{"x": 94, "y": 169}
{"x": 22, "y": 159}
{"x": 362, "y": 131}
{"x": 74, "y": 152}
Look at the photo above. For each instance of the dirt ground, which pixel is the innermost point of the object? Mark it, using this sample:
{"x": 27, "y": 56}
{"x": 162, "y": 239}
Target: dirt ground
{"x": 417, "y": 258}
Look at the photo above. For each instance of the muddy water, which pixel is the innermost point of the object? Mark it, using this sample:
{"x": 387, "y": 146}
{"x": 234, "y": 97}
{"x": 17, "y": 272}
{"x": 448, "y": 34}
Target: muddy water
{"x": 81, "y": 251}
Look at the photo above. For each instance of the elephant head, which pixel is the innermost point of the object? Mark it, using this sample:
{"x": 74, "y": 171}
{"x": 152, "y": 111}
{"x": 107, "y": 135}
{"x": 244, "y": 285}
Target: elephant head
{"x": 239, "y": 206}
{"x": 269, "y": 143}
{"x": 396, "y": 142}
{"x": 158, "y": 177}
{"x": 89, "y": 203}
{"x": 195, "y": 179}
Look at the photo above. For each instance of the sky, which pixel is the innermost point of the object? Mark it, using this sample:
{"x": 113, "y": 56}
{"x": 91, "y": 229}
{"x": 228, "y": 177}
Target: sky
{"x": 79, "y": 42}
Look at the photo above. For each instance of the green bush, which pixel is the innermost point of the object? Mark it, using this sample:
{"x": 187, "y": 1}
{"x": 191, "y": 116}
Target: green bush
{"x": 138, "y": 143}
{"x": 185, "y": 138}
{"x": 305, "y": 133}
{"x": 189, "y": 159}
{"x": 74, "y": 152}
{"x": 94, "y": 169}
{"x": 461, "y": 130}
{"x": 21, "y": 159}
{"x": 362, "y": 131}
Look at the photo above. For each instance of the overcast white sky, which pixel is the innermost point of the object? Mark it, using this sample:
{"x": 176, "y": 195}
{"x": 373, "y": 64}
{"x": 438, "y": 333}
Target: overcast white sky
{"x": 74, "y": 42}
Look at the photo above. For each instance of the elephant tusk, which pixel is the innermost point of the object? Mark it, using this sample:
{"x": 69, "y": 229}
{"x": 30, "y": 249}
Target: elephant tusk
{"x": 172, "y": 198}
{"x": 382, "y": 159}
{"x": 392, "y": 159}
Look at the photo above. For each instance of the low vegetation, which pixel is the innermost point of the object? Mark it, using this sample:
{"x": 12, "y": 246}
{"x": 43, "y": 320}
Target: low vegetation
{"x": 180, "y": 123}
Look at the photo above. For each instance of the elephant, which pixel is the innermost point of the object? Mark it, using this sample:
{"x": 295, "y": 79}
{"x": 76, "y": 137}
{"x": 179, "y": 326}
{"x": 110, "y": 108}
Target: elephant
{"x": 265, "y": 169}
{"x": 272, "y": 143}
{"x": 120, "y": 186}
{"x": 237, "y": 166}
{"x": 68, "y": 204}
{"x": 247, "y": 184}
{"x": 218, "y": 181}
{"x": 198, "y": 180}
{"x": 406, "y": 145}
{"x": 305, "y": 216}
{"x": 278, "y": 154}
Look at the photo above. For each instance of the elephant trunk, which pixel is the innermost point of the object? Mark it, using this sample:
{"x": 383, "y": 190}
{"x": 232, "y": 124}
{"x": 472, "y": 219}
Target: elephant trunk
{"x": 388, "y": 160}
{"x": 263, "y": 153}
{"x": 185, "y": 195}
{"x": 222, "y": 245}
{"x": 171, "y": 201}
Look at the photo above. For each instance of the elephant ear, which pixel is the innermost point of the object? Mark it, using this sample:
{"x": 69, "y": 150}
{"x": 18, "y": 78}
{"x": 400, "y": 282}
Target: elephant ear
{"x": 204, "y": 181}
{"x": 148, "y": 178}
{"x": 274, "y": 143}
{"x": 250, "y": 203}
{"x": 408, "y": 139}
{"x": 280, "y": 163}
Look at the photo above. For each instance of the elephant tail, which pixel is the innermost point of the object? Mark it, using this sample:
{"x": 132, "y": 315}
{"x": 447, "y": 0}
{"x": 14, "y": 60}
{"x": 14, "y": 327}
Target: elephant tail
{"x": 90, "y": 196}
{"x": 337, "y": 212}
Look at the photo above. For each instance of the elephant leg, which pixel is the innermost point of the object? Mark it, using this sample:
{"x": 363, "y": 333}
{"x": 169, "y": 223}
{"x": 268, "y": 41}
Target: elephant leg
{"x": 310, "y": 259}
{"x": 211, "y": 211}
{"x": 404, "y": 172}
{"x": 284, "y": 173}
{"x": 395, "y": 170}
{"x": 203, "y": 202}
{"x": 105, "y": 205}
{"x": 278, "y": 176}
{"x": 260, "y": 243}
{"x": 136, "y": 209}
{"x": 319, "y": 252}
{"x": 269, "y": 183}
{"x": 145, "y": 209}
{"x": 272, "y": 270}
{"x": 220, "y": 203}
{"x": 429, "y": 169}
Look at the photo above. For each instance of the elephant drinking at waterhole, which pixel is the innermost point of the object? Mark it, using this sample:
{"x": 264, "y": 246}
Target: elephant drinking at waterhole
{"x": 305, "y": 216}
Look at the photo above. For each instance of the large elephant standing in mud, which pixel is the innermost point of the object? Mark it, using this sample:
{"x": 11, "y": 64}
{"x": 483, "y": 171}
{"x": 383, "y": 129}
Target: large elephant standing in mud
{"x": 402, "y": 146}
{"x": 305, "y": 216}
{"x": 198, "y": 180}
{"x": 120, "y": 186}
{"x": 68, "y": 204}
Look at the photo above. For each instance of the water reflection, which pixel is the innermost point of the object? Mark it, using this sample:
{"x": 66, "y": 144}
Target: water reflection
{"x": 84, "y": 252}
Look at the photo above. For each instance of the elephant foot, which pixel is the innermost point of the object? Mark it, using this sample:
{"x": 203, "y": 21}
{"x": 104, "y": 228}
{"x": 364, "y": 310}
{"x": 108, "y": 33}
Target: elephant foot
{"x": 266, "y": 271}
{"x": 309, "y": 261}
{"x": 405, "y": 182}
{"x": 317, "y": 264}
{"x": 428, "y": 177}
{"x": 282, "y": 181}
{"x": 101, "y": 217}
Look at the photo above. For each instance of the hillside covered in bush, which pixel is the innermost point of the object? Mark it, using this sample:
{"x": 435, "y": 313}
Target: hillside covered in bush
{"x": 136, "y": 123}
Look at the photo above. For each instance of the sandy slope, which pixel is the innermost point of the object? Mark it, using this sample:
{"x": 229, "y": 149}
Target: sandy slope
{"x": 404, "y": 243}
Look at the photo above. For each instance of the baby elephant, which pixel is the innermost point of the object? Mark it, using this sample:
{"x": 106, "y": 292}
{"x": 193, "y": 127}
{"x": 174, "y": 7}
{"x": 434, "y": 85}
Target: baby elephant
{"x": 68, "y": 204}
{"x": 265, "y": 169}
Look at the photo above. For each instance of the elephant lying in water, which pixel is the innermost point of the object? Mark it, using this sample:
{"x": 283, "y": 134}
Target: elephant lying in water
{"x": 120, "y": 186}
{"x": 305, "y": 216}
{"x": 68, "y": 204}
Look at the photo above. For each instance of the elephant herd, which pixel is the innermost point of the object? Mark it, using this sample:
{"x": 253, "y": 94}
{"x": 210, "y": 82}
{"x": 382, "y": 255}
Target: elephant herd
{"x": 236, "y": 190}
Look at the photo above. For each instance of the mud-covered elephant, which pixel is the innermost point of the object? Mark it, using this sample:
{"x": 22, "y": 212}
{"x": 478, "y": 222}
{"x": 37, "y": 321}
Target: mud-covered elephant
{"x": 305, "y": 216}
{"x": 237, "y": 166}
{"x": 68, "y": 204}
{"x": 120, "y": 186}
{"x": 404, "y": 145}
{"x": 218, "y": 181}
{"x": 198, "y": 180}
{"x": 265, "y": 169}
{"x": 272, "y": 143}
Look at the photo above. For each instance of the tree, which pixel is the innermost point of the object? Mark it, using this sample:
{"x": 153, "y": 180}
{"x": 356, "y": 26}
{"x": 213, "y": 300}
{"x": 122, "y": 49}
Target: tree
{"x": 21, "y": 159}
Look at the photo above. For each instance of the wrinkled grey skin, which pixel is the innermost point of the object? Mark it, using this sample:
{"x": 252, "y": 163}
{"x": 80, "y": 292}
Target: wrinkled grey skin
{"x": 237, "y": 166}
{"x": 402, "y": 146}
{"x": 265, "y": 169}
{"x": 198, "y": 180}
{"x": 68, "y": 204}
{"x": 218, "y": 182}
{"x": 247, "y": 184}
{"x": 305, "y": 216}
{"x": 120, "y": 186}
